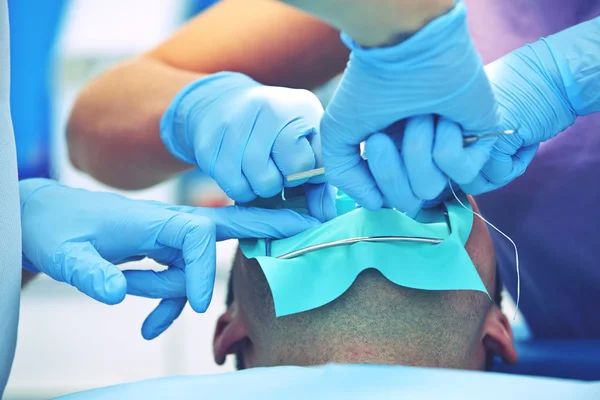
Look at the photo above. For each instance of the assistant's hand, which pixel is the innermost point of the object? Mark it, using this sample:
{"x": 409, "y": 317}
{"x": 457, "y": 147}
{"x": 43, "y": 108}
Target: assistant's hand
{"x": 76, "y": 236}
{"x": 248, "y": 136}
{"x": 436, "y": 71}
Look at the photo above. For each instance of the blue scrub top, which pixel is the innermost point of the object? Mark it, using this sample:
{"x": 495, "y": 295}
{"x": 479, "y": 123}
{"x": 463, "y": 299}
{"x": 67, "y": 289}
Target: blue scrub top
{"x": 34, "y": 27}
{"x": 551, "y": 212}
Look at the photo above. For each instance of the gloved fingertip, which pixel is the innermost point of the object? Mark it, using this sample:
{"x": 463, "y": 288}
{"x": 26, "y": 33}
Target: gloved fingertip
{"x": 431, "y": 203}
{"x": 162, "y": 317}
{"x": 329, "y": 212}
{"x": 473, "y": 162}
{"x": 440, "y": 198}
{"x": 108, "y": 287}
{"x": 435, "y": 186}
{"x": 115, "y": 289}
{"x": 360, "y": 186}
{"x": 112, "y": 299}
{"x": 200, "y": 304}
{"x": 479, "y": 185}
{"x": 292, "y": 154}
{"x": 267, "y": 183}
{"x": 241, "y": 198}
{"x": 150, "y": 332}
{"x": 414, "y": 211}
{"x": 373, "y": 201}
{"x": 320, "y": 200}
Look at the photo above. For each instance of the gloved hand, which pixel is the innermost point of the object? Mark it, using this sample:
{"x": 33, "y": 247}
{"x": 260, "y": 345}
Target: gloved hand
{"x": 541, "y": 89}
{"x": 248, "y": 136}
{"x": 436, "y": 71}
{"x": 78, "y": 237}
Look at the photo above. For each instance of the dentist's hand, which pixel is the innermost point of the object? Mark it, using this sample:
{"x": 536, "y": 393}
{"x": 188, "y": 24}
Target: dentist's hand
{"x": 78, "y": 237}
{"x": 248, "y": 136}
{"x": 542, "y": 88}
{"x": 532, "y": 99}
{"x": 436, "y": 71}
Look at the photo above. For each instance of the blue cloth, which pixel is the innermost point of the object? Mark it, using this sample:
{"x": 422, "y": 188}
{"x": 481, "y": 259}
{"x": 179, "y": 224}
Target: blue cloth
{"x": 566, "y": 359}
{"x": 348, "y": 382}
{"x": 305, "y": 282}
{"x": 551, "y": 209}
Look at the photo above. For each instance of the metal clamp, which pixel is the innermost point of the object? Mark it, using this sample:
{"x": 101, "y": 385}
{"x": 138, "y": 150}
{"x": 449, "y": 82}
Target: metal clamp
{"x": 340, "y": 242}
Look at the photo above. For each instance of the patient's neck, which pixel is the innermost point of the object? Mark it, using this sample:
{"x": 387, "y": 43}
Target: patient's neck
{"x": 318, "y": 354}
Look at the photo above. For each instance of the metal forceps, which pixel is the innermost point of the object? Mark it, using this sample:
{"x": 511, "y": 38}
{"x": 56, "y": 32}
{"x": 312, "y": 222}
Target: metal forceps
{"x": 341, "y": 242}
{"x": 467, "y": 141}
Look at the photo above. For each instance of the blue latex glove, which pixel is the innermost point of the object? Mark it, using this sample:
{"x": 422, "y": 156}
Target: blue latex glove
{"x": 541, "y": 89}
{"x": 248, "y": 136}
{"x": 436, "y": 71}
{"x": 169, "y": 285}
{"x": 78, "y": 237}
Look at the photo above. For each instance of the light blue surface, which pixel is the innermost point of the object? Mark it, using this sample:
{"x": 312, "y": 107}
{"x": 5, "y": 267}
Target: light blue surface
{"x": 436, "y": 71}
{"x": 319, "y": 277}
{"x": 76, "y": 236}
{"x": 10, "y": 228}
{"x": 248, "y": 136}
{"x": 349, "y": 382}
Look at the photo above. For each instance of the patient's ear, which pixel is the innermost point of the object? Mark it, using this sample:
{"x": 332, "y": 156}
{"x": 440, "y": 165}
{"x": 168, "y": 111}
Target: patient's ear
{"x": 498, "y": 336}
{"x": 230, "y": 334}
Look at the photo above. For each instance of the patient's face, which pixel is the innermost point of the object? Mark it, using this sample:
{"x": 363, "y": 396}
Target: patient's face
{"x": 240, "y": 330}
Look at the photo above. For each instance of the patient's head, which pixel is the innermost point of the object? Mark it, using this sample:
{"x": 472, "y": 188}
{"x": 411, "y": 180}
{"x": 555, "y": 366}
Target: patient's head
{"x": 375, "y": 321}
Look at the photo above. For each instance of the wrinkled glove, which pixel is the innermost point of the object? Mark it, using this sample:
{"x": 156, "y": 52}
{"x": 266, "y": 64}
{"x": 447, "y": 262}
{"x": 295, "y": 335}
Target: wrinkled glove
{"x": 541, "y": 89}
{"x": 436, "y": 71}
{"x": 76, "y": 236}
{"x": 248, "y": 136}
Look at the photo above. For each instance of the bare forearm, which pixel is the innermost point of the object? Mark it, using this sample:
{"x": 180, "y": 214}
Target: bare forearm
{"x": 271, "y": 42}
{"x": 375, "y": 22}
{"x": 113, "y": 131}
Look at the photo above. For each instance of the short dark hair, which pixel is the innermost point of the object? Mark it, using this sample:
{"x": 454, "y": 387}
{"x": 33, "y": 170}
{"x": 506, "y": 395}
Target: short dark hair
{"x": 489, "y": 357}
{"x": 239, "y": 356}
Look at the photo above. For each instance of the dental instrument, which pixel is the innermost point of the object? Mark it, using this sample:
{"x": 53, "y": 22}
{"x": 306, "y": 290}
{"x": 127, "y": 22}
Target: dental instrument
{"x": 334, "y": 243}
{"x": 467, "y": 141}
{"x": 326, "y": 245}
{"x": 470, "y": 139}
